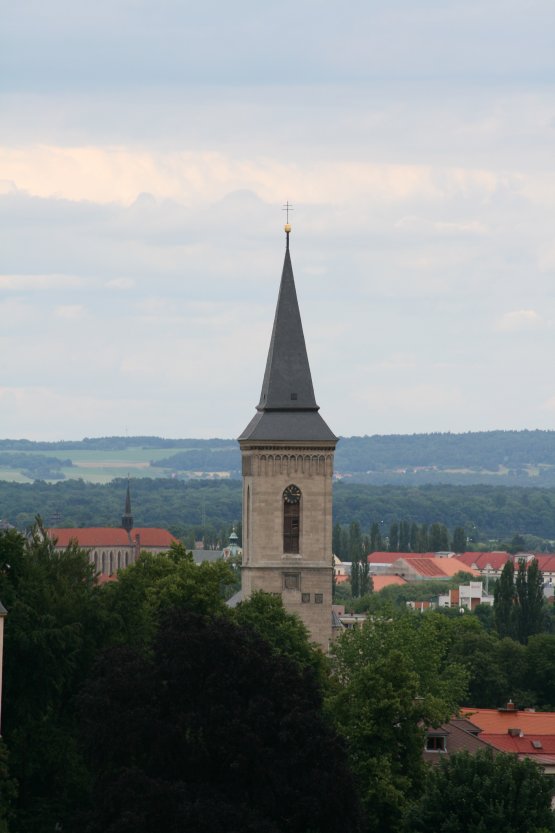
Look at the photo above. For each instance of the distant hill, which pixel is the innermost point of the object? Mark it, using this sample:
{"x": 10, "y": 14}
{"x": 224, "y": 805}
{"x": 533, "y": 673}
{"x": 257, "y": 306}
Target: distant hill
{"x": 519, "y": 458}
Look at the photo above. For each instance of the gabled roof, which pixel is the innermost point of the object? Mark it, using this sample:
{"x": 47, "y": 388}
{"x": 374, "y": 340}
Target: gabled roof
{"x": 496, "y": 560}
{"x": 457, "y": 738}
{"x": 105, "y": 536}
{"x": 546, "y": 563}
{"x": 499, "y": 721}
{"x": 381, "y": 557}
{"x": 287, "y": 409}
{"x": 386, "y": 581}
{"x": 433, "y": 567}
{"x": 535, "y": 744}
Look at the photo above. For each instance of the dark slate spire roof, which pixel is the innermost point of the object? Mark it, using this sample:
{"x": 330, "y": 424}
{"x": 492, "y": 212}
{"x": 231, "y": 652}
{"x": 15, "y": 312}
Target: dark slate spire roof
{"x": 287, "y": 409}
{"x": 127, "y": 517}
{"x": 287, "y": 380}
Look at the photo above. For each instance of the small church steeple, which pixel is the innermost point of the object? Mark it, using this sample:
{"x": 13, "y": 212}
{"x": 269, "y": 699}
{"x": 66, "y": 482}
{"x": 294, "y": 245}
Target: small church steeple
{"x": 127, "y": 517}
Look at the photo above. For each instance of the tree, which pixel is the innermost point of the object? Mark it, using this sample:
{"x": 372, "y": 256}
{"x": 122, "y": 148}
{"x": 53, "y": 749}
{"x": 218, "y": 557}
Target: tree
{"x": 394, "y": 537}
{"x": 393, "y": 678}
{"x": 518, "y": 544}
{"x": 355, "y": 555}
{"x": 423, "y": 542}
{"x": 414, "y": 537}
{"x": 8, "y": 788}
{"x": 213, "y": 731}
{"x": 158, "y": 582}
{"x": 438, "y": 538}
{"x": 376, "y": 543}
{"x": 404, "y": 536}
{"x": 540, "y": 665}
{"x": 459, "y": 539}
{"x": 337, "y": 541}
{"x": 518, "y": 601}
{"x": 284, "y": 632}
{"x": 503, "y": 601}
{"x": 534, "y": 599}
{"x": 55, "y": 626}
{"x": 484, "y": 792}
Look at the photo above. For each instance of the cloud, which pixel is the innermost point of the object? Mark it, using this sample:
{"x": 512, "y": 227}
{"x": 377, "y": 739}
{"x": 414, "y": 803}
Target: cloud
{"x": 141, "y": 226}
{"x": 520, "y": 320}
{"x": 70, "y": 311}
{"x": 41, "y": 283}
{"x": 122, "y": 174}
{"x": 121, "y": 283}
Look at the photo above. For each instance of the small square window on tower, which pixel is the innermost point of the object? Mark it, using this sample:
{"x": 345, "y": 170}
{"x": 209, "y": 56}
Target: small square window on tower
{"x": 318, "y": 598}
{"x": 305, "y": 598}
{"x": 291, "y": 581}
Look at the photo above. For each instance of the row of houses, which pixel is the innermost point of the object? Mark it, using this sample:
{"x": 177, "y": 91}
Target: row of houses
{"x": 439, "y": 566}
{"x": 521, "y": 732}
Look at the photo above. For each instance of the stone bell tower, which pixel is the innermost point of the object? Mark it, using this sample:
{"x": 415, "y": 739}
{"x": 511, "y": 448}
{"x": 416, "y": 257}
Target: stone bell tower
{"x": 287, "y": 455}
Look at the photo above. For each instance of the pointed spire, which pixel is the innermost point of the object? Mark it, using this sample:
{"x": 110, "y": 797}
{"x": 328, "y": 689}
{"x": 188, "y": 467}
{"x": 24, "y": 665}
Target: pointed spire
{"x": 287, "y": 411}
{"x": 287, "y": 381}
{"x": 127, "y": 517}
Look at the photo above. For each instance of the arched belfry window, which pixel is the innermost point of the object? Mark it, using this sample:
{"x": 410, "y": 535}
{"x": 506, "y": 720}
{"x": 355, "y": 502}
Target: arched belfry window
{"x": 291, "y": 518}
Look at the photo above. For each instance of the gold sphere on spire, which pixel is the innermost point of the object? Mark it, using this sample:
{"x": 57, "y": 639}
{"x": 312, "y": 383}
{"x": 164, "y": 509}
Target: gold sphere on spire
{"x": 287, "y": 228}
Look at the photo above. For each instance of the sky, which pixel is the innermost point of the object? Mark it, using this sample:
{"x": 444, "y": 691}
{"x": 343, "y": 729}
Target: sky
{"x": 147, "y": 149}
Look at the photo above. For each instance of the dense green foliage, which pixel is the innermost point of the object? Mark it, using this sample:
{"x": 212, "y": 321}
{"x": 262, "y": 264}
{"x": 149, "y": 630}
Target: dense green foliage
{"x": 147, "y": 704}
{"x": 35, "y": 466}
{"x": 482, "y": 793}
{"x": 208, "y": 508}
{"x": 53, "y": 629}
{"x": 486, "y": 511}
{"x": 518, "y": 601}
{"x": 519, "y": 457}
{"x": 211, "y": 731}
{"x": 395, "y": 678}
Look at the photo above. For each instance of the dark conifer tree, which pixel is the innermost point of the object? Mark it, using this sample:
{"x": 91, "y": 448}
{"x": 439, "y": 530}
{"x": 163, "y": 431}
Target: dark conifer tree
{"x": 394, "y": 537}
{"x": 459, "y": 540}
{"x": 404, "y": 536}
{"x": 376, "y": 543}
{"x": 504, "y": 601}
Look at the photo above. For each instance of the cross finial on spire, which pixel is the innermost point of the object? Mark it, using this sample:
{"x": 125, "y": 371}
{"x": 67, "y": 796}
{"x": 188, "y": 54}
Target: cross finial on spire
{"x": 287, "y": 228}
{"x": 287, "y": 208}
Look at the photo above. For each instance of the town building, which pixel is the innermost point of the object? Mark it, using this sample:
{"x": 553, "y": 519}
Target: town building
{"x": 522, "y": 732}
{"x": 113, "y": 548}
{"x": 287, "y": 455}
{"x": 467, "y": 596}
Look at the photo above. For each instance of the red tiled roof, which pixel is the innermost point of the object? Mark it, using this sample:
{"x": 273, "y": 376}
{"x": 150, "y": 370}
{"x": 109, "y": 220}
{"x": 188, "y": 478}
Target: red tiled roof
{"x": 521, "y": 745}
{"x": 104, "y": 578}
{"x": 434, "y": 568}
{"x": 496, "y": 722}
{"x": 390, "y": 557}
{"x": 105, "y": 536}
{"x": 546, "y": 563}
{"x": 496, "y": 560}
{"x": 385, "y": 581}
{"x": 154, "y": 537}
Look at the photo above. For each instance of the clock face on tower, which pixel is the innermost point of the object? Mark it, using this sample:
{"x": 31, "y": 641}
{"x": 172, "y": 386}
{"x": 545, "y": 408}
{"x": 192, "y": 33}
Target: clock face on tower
{"x": 292, "y": 494}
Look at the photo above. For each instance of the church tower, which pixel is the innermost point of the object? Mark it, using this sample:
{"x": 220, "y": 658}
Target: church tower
{"x": 127, "y": 517}
{"x": 287, "y": 457}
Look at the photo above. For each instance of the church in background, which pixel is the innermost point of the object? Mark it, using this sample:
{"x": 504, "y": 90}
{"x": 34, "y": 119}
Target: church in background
{"x": 287, "y": 463}
{"x": 113, "y": 548}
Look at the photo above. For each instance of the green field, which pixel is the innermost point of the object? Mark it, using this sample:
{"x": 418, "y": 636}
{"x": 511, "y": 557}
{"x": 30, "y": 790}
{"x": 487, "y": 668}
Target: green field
{"x": 100, "y": 466}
